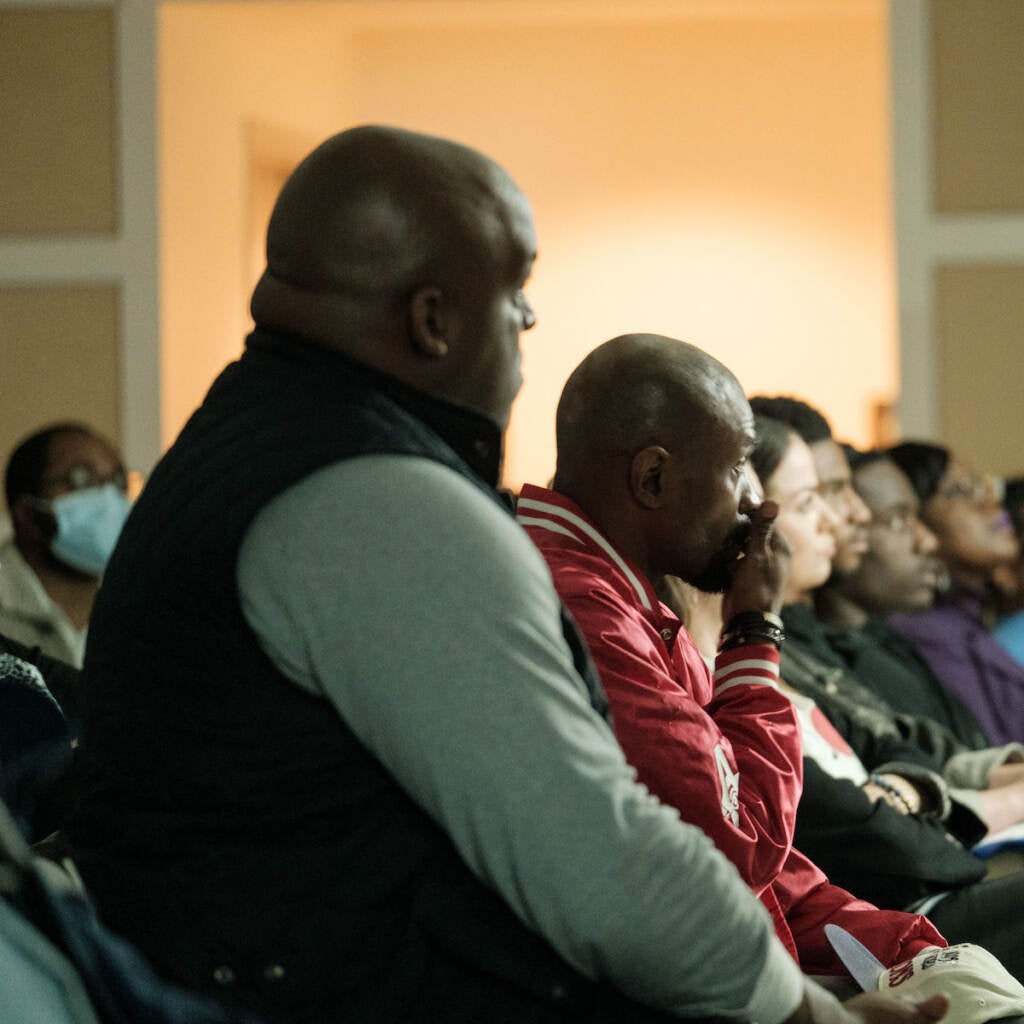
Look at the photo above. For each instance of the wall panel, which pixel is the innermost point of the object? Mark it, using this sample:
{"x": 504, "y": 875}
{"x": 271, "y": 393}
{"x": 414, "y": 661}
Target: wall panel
{"x": 60, "y": 350}
{"x": 57, "y": 107}
{"x": 980, "y": 340}
{"x": 978, "y": 89}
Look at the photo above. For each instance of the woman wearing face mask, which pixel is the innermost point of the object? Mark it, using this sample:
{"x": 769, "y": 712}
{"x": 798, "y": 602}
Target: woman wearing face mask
{"x": 876, "y": 812}
{"x": 976, "y": 537}
{"x": 65, "y": 489}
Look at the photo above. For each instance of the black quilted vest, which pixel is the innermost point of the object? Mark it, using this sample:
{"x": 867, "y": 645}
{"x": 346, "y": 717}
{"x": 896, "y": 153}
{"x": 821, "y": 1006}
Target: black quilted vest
{"x": 233, "y": 827}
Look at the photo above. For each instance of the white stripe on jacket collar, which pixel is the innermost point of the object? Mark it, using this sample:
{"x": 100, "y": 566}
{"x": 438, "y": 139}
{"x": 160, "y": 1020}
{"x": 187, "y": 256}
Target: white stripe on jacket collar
{"x": 589, "y": 531}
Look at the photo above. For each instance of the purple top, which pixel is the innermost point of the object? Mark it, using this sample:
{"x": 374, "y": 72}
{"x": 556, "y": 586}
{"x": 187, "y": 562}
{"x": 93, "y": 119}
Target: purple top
{"x": 969, "y": 661}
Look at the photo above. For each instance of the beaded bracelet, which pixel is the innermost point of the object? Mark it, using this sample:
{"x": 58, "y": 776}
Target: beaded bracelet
{"x": 894, "y": 791}
{"x": 752, "y": 628}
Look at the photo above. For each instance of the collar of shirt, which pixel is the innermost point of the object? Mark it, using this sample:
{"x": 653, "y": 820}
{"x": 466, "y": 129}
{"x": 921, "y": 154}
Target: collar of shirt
{"x": 553, "y": 520}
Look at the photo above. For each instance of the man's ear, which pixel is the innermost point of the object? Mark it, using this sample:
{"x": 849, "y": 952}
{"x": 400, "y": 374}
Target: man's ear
{"x": 428, "y": 323}
{"x": 645, "y": 475}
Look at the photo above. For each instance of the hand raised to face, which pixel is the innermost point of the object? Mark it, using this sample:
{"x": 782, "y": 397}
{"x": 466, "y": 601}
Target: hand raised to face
{"x": 759, "y": 577}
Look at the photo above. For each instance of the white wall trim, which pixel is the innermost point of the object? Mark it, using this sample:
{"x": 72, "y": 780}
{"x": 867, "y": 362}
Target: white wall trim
{"x": 912, "y": 176}
{"x": 978, "y": 238}
{"x": 53, "y": 260}
{"x": 140, "y": 294}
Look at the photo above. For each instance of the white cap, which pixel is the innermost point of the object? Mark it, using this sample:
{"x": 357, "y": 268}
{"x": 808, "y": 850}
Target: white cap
{"x": 978, "y": 985}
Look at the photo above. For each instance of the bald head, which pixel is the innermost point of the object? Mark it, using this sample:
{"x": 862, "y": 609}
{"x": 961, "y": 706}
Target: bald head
{"x": 375, "y": 217}
{"x": 638, "y": 390}
{"x": 653, "y": 438}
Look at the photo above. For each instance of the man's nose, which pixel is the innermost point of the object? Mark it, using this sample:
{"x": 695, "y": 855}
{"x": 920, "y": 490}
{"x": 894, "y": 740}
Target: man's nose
{"x": 925, "y": 542}
{"x": 992, "y": 488}
{"x": 749, "y": 504}
{"x": 751, "y": 492}
{"x": 858, "y": 512}
{"x": 526, "y": 309}
{"x": 830, "y": 519}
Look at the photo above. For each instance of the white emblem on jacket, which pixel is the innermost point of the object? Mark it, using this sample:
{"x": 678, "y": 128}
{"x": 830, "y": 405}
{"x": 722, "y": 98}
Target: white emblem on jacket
{"x": 730, "y": 781}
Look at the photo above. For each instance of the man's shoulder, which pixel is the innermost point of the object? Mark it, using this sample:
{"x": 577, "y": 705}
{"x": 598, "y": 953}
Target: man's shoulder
{"x": 376, "y": 514}
{"x": 408, "y": 486}
{"x": 584, "y": 564}
{"x": 593, "y": 590}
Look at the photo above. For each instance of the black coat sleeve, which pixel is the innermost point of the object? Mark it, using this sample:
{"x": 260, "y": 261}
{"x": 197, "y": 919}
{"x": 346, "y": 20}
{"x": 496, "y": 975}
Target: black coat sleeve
{"x": 878, "y": 854}
{"x": 873, "y": 744}
{"x": 61, "y": 678}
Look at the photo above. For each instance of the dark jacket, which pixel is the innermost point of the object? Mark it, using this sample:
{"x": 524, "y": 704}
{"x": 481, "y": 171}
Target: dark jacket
{"x": 926, "y": 741}
{"x": 890, "y": 666}
{"x": 891, "y": 859}
{"x": 61, "y": 678}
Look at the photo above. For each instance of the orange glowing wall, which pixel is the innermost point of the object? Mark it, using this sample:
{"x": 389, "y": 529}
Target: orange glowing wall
{"x": 716, "y": 171}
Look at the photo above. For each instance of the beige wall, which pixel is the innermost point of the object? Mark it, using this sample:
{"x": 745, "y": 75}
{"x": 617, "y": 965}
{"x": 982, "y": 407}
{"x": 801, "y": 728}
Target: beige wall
{"x": 976, "y": 229}
{"x": 714, "y": 171}
{"x": 980, "y": 347}
{"x": 978, "y": 86}
{"x": 58, "y": 158}
{"x": 59, "y": 349}
{"x": 237, "y": 81}
{"x": 60, "y": 342}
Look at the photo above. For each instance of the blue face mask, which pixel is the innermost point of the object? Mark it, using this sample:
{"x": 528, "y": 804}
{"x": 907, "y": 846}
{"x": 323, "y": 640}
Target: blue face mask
{"x": 88, "y": 525}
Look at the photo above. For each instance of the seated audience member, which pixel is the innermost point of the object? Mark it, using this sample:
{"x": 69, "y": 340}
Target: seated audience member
{"x": 346, "y": 757}
{"x": 875, "y": 816}
{"x": 653, "y": 437}
{"x": 35, "y": 750}
{"x": 819, "y": 649}
{"x": 843, "y": 636}
{"x": 36, "y": 737}
{"x": 975, "y": 536}
{"x": 60, "y": 678}
{"x": 1009, "y": 631}
{"x": 65, "y": 489}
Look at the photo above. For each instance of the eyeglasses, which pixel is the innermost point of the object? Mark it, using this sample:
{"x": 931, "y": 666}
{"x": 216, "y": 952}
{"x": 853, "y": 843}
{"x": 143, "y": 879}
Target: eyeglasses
{"x": 896, "y": 520}
{"x": 84, "y": 475}
{"x": 977, "y": 489}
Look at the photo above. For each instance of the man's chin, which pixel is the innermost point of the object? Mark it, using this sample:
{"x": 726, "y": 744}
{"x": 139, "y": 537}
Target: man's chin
{"x": 713, "y": 580}
{"x": 716, "y": 576}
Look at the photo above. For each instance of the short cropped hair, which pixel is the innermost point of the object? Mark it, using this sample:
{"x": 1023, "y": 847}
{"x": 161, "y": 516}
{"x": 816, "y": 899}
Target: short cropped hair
{"x": 26, "y": 468}
{"x": 924, "y": 465}
{"x": 797, "y": 415}
{"x": 859, "y": 459}
{"x": 1013, "y": 499}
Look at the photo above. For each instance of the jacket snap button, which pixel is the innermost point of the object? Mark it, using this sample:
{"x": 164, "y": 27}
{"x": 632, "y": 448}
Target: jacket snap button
{"x": 224, "y": 976}
{"x": 275, "y": 972}
{"x": 666, "y": 634}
